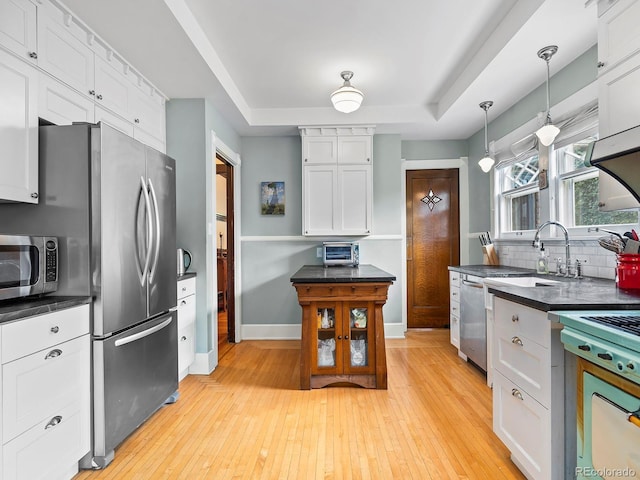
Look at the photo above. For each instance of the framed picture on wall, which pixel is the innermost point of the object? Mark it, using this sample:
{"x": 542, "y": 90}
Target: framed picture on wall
{"x": 272, "y": 198}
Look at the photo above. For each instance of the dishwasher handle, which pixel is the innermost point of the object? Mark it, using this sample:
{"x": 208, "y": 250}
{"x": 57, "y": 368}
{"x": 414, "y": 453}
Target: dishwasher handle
{"x": 471, "y": 284}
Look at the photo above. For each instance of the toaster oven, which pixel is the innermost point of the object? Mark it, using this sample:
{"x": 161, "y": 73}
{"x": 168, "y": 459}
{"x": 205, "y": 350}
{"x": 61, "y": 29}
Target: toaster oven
{"x": 340, "y": 253}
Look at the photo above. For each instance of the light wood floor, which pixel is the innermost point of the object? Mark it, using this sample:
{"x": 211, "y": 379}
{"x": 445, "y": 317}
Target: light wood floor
{"x": 248, "y": 420}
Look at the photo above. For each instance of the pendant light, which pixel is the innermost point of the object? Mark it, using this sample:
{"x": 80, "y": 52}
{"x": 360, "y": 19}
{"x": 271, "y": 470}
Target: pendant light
{"x": 548, "y": 132}
{"x": 346, "y": 99}
{"x": 486, "y": 162}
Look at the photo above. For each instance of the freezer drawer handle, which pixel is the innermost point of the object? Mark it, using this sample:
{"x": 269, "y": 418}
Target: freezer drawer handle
{"x": 53, "y": 354}
{"x": 53, "y": 422}
{"x": 145, "y": 333}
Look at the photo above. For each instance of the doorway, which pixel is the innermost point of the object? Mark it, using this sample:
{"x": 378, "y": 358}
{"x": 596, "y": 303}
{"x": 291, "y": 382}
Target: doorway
{"x": 433, "y": 243}
{"x": 225, "y": 255}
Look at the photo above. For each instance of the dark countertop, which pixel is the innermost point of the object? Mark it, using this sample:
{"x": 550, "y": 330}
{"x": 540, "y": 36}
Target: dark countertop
{"x": 571, "y": 294}
{"x": 186, "y": 275}
{"x": 320, "y": 274}
{"x": 21, "y": 308}
{"x": 493, "y": 270}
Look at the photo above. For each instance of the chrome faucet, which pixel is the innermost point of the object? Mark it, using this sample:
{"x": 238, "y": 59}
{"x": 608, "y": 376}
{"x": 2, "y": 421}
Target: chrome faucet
{"x": 536, "y": 243}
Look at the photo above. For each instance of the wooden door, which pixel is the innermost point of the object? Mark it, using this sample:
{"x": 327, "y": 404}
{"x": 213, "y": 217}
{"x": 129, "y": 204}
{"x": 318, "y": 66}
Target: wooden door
{"x": 433, "y": 243}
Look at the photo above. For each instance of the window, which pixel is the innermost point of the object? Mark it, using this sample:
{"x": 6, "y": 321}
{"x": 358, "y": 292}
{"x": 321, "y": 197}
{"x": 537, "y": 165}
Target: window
{"x": 578, "y": 189}
{"x": 519, "y": 194}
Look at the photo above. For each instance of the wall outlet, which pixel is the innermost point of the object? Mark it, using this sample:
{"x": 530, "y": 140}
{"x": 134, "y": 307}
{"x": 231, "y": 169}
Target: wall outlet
{"x": 319, "y": 252}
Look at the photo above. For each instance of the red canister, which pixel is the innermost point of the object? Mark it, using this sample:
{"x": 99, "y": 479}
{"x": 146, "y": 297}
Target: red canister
{"x": 628, "y": 271}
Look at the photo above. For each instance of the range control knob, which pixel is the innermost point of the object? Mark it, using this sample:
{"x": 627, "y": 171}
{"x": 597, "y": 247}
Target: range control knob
{"x": 631, "y": 365}
{"x": 620, "y": 366}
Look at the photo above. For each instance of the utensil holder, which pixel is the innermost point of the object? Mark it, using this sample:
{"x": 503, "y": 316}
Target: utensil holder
{"x": 628, "y": 271}
{"x": 489, "y": 255}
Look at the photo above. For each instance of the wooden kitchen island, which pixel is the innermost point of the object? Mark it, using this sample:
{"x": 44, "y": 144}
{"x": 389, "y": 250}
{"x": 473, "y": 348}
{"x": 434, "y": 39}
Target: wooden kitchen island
{"x": 342, "y": 325}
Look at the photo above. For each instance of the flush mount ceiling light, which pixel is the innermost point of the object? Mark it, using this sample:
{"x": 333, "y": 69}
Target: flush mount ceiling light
{"x": 548, "y": 132}
{"x": 486, "y": 162}
{"x": 346, "y": 99}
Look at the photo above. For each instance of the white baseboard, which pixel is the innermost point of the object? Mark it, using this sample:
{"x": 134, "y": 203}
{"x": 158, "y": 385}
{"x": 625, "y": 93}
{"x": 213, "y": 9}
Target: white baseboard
{"x": 204, "y": 363}
{"x": 292, "y": 332}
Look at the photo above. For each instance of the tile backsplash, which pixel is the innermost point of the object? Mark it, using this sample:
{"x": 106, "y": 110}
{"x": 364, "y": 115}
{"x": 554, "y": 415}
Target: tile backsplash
{"x": 596, "y": 261}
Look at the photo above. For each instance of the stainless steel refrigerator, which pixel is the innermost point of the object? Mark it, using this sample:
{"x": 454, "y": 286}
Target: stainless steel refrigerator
{"x": 111, "y": 201}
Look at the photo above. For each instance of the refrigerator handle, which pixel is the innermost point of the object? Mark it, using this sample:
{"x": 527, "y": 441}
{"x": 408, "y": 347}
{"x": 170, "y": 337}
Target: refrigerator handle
{"x": 144, "y": 333}
{"x": 147, "y": 202}
{"x": 154, "y": 199}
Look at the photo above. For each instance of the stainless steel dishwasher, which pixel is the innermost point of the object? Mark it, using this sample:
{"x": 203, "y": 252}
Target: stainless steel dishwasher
{"x": 473, "y": 321}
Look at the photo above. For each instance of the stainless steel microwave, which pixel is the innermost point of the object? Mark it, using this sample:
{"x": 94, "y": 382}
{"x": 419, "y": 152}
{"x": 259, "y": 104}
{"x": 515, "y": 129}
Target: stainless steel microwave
{"x": 340, "y": 253}
{"x": 28, "y": 265}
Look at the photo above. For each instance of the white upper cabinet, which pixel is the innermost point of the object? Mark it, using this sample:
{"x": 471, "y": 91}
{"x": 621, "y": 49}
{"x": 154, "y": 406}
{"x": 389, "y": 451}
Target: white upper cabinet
{"x": 62, "y": 54}
{"x": 18, "y": 130}
{"x": 337, "y": 185}
{"x": 55, "y": 67}
{"x": 113, "y": 89}
{"x": 618, "y": 92}
{"x": 18, "y": 27}
{"x": 62, "y": 105}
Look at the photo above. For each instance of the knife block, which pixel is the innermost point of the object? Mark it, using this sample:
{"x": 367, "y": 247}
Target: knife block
{"x": 489, "y": 255}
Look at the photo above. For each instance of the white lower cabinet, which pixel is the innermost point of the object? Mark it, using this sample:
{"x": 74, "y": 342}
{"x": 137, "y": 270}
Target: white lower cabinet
{"x": 45, "y": 394}
{"x": 186, "y": 325}
{"x": 528, "y": 388}
{"x": 454, "y": 309}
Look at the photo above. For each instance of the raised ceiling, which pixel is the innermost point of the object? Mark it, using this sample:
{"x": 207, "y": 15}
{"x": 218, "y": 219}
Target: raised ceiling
{"x": 269, "y": 66}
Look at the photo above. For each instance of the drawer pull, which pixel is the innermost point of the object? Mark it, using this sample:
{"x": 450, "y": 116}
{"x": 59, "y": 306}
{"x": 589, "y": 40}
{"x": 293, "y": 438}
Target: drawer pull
{"x": 454, "y": 308}
{"x": 517, "y": 341}
{"x": 516, "y": 393}
{"x": 514, "y": 318}
{"x": 183, "y": 338}
{"x": 183, "y": 302}
{"x": 53, "y": 422}
{"x": 454, "y": 294}
{"x": 184, "y": 289}
{"x": 53, "y": 354}
{"x": 55, "y": 329}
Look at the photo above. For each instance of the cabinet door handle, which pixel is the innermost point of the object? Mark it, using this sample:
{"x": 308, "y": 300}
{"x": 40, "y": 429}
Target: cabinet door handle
{"x": 517, "y": 341}
{"x": 92, "y": 92}
{"x": 600, "y": 64}
{"x": 34, "y": 195}
{"x": 183, "y": 338}
{"x": 454, "y": 294}
{"x": 55, "y": 329}
{"x": 53, "y": 422}
{"x": 33, "y": 55}
{"x": 99, "y": 97}
{"x": 346, "y": 337}
{"x": 516, "y": 393}
{"x": 183, "y": 302}
{"x": 184, "y": 289}
{"x": 339, "y": 337}
{"x": 514, "y": 318}
{"x": 53, "y": 354}
{"x": 136, "y": 120}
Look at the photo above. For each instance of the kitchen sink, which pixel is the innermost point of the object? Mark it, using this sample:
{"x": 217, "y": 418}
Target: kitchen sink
{"x": 523, "y": 281}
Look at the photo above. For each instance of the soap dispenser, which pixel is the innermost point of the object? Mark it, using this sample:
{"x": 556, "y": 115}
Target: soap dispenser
{"x": 542, "y": 265}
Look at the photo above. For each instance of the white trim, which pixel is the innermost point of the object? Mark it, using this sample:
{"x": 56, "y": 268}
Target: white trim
{"x": 302, "y": 238}
{"x": 462, "y": 164}
{"x": 292, "y": 331}
{"x": 204, "y": 363}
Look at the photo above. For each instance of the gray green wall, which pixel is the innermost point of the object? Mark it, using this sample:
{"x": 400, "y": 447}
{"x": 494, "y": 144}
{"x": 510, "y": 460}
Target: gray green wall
{"x": 189, "y": 126}
{"x": 273, "y": 248}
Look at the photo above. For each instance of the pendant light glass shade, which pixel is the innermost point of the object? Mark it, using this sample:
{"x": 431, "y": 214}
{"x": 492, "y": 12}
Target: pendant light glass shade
{"x": 548, "y": 132}
{"x": 486, "y": 162}
{"x": 347, "y": 99}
